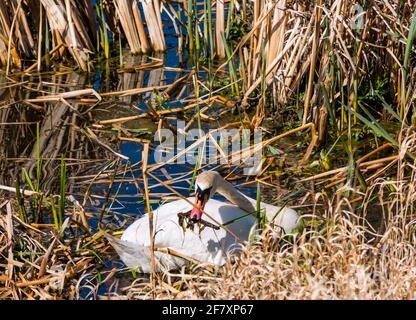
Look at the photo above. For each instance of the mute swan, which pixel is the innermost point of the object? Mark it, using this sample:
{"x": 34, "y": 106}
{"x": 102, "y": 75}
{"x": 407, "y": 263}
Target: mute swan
{"x": 205, "y": 245}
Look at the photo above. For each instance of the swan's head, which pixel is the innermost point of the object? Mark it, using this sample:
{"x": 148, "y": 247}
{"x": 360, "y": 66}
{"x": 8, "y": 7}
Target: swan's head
{"x": 205, "y": 188}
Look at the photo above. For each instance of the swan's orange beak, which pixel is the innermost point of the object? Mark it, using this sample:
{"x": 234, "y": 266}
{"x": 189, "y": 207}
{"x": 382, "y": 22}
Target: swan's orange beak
{"x": 201, "y": 198}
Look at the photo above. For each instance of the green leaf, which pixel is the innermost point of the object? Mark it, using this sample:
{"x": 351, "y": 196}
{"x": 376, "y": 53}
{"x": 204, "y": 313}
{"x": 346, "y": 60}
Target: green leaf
{"x": 274, "y": 151}
{"x": 375, "y": 126}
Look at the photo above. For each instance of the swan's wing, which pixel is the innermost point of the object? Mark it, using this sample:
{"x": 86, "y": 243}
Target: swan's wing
{"x": 207, "y": 245}
{"x": 136, "y": 256}
{"x": 138, "y": 231}
{"x": 288, "y": 219}
{"x": 132, "y": 254}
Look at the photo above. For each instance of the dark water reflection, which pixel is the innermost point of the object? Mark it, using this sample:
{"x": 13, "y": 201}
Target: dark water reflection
{"x": 62, "y": 131}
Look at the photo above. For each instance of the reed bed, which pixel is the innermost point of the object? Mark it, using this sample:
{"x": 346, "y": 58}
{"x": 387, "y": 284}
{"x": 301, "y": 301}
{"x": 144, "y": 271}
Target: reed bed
{"x": 75, "y": 29}
{"x": 333, "y": 88}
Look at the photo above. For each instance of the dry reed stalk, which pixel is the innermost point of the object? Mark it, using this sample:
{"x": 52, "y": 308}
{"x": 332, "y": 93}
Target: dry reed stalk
{"x": 4, "y": 34}
{"x": 23, "y": 192}
{"x": 132, "y": 24}
{"x": 304, "y": 53}
{"x": 140, "y": 28}
{"x": 67, "y": 95}
{"x": 313, "y": 60}
{"x": 40, "y": 38}
{"x": 219, "y": 28}
{"x": 249, "y": 151}
{"x": 38, "y": 63}
{"x": 61, "y": 24}
{"x": 174, "y": 253}
{"x": 135, "y": 91}
{"x": 145, "y": 155}
{"x": 126, "y": 16}
{"x": 21, "y": 32}
{"x": 277, "y": 32}
{"x": 94, "y": 137}
{"x": 151, "y": 9}
{"x": 162, "y": 112}
{"x": 43, "y": 271}
{"x": 269, "y": 70}
{"x": 336, "y": 260}
{"x": 344, "y": 169}
{"x": 10, "y": 36}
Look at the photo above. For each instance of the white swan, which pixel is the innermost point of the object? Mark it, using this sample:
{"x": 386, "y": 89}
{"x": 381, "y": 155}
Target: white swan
{"x": 208, "y": 245}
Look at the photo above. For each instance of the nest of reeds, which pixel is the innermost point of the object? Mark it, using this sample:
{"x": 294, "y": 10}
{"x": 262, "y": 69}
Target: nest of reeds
{"x": 40, "y": 263}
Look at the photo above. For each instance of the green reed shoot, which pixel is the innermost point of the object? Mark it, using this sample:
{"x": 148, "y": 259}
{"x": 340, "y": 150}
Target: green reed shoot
{"x": 47, "y": 42}
{"x": 347, "y": 147}
{"x": 62, "y": 190}
{"x": 38, "y": 158}
{"x": 196, "y": 29}
{"x": 409, "y": 48}
{"x": 28, "y": 180}
{"x": 102, "y": 38}
{"x": 230, "y": 18}
{"x": 189, "y": 12}
{"x": 211, "y": 38}
{"x": 201, "y": 148}
{"x": 20, "y": 202}
{"x": 261, "y": 216}
{"x": 56, "y": 220}
{"x": 206, "y": 30}
{"x": 233, "y": 75}
{"x": 35, "y": 187}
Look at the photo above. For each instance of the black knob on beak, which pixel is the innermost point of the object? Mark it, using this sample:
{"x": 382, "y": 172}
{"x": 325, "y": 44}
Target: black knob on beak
{"x": 194, "y": 219}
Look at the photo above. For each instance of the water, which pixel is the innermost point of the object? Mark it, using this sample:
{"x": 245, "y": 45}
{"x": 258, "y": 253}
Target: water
{"x": 62, "y": 131}
{"x": 127, "y": 202}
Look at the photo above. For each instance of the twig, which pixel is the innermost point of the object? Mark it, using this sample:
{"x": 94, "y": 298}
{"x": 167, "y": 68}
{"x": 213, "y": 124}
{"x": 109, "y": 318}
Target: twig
{"x": 9, "y": 45}
{"x": 145, "y": 155}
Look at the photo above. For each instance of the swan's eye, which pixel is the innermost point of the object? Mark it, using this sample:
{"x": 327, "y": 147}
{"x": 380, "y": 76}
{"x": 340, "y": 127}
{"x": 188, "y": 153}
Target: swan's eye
{"x": 203, "y": 194}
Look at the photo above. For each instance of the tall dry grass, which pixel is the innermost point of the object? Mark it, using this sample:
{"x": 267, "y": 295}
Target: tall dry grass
{"x": 313, "y": 48}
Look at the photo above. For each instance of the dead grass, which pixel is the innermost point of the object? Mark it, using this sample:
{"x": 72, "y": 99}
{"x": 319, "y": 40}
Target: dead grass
{"x": 37, "y": 263}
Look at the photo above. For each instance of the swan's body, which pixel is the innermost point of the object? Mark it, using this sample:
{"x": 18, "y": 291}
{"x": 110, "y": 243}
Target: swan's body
{"x": 208, "y": 245}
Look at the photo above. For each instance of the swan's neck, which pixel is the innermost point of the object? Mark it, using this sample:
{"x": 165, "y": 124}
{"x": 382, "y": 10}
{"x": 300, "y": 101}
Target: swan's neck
{"x": 228, "y": 191}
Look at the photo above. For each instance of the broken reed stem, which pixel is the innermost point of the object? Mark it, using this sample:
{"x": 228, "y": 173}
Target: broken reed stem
{"x": 145, "y": 155}
{"x": 344, "y": 169}
{"x": 9, "y": 45}
{"x": 219, "y": 28}
{"x": 174, "y": 253}
{"x": 145, "y": 46}
{"x": 72, "y": 25}
{"x": 40, "y": 37}
{"x": 313, "y": 61}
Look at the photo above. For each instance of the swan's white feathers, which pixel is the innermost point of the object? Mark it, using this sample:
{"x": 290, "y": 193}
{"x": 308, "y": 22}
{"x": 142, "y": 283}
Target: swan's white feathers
{"x": 207, "y": 180}
{"x": 208, "y": 245}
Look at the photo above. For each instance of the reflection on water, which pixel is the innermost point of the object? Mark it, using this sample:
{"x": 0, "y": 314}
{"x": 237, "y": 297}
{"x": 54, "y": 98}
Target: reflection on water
{"x": 96, "y": 177}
